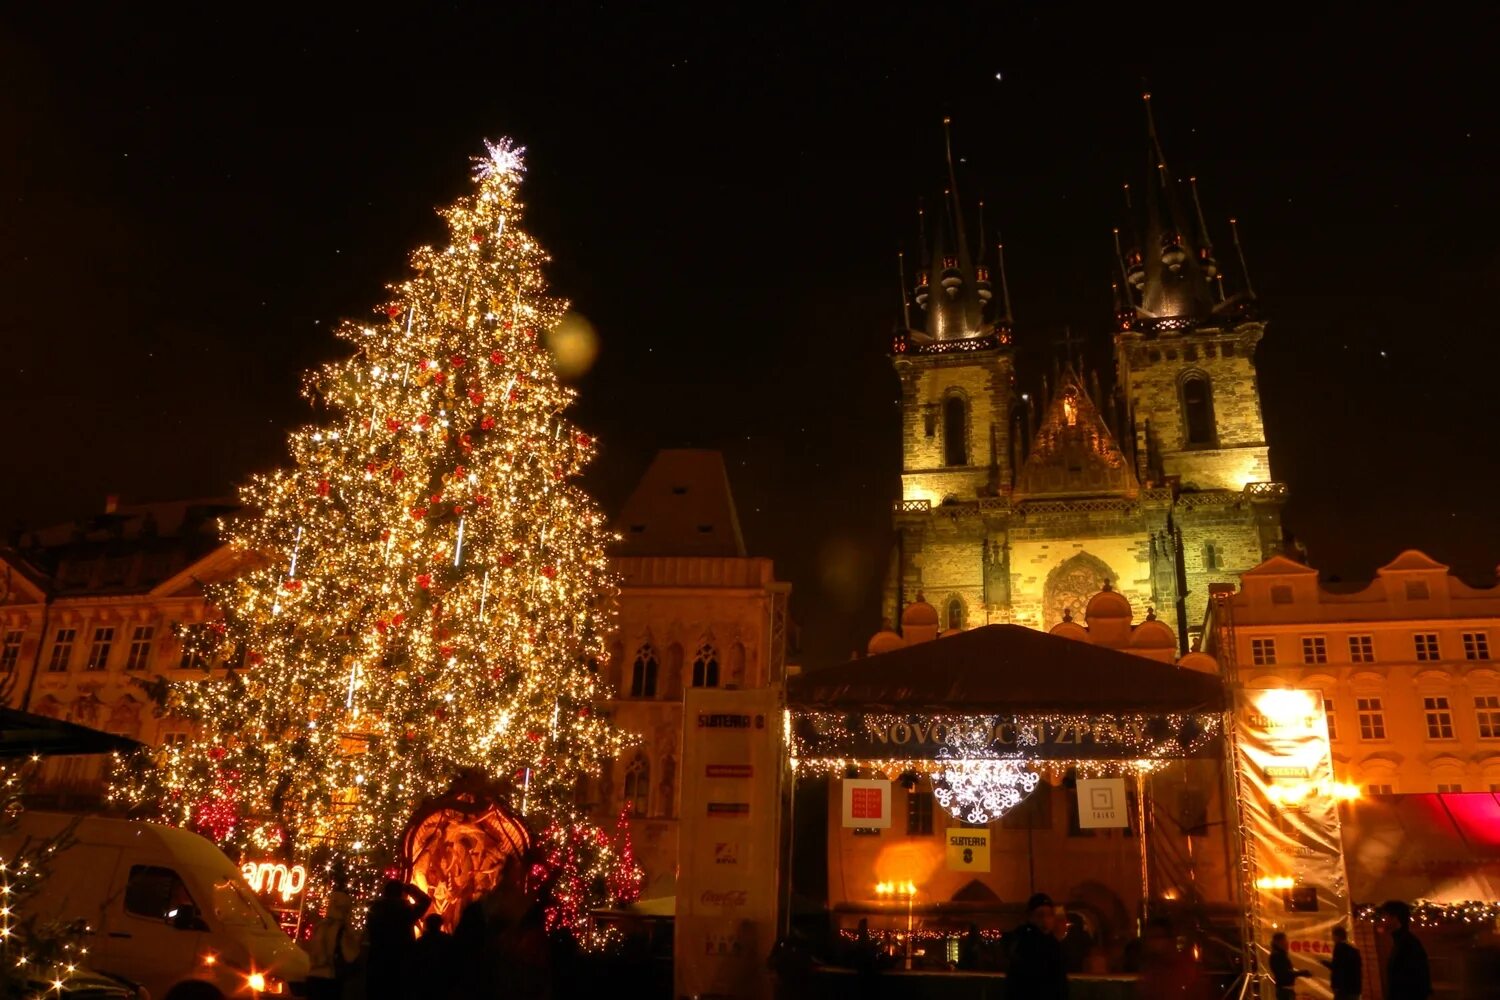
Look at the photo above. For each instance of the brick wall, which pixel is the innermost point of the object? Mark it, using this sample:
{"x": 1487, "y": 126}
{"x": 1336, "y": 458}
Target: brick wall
{"x": 984, "y": 381}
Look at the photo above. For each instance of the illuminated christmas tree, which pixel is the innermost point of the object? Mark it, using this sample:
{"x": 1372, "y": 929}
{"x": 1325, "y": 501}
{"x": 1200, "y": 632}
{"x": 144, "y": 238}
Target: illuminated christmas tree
{"x": 429, "y": 589}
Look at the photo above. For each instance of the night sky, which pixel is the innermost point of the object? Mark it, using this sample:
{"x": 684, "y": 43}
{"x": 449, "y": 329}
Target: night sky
{"x": 191, "y": 202}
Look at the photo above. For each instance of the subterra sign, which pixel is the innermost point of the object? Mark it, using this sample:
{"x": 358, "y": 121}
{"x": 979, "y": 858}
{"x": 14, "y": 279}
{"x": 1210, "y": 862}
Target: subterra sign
{"x": 917, "y": 737}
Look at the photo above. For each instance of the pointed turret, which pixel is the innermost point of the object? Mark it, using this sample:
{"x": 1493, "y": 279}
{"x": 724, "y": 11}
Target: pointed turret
{"x": 1172, "y": 278}
{"x": 954, "y": 293}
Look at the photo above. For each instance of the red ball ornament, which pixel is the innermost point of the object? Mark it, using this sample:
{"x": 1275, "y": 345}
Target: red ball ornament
{"x": 424, "y": 420}
{"x": 487, "y": 424}
{"x": 381, "y": 626}
{"x": 397, "y": 475}
{"x": 392, "y": 424}
{"x": 397, "y": 618}
{"x": 508, "y": 559}
{"x": 477, "y": 398}
{"x": 322, "y": 487}
{"x": 292, "y": 585}
{"x": 393, "y": 311}
{"x": 457, "y": 361}
{"x": 424, "y": 580}
{"x": 584, "y": 440}
{"x": 550, "y": 572}
{"x": 496, "y": 358}
{"x": 439, "y": 377}
{"x": 417, "y": 513}
{"x": 440, "y": 713}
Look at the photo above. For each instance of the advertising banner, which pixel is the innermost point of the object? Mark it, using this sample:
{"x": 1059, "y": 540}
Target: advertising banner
{"x": 1291, "y": 827}
{"x": 867, "y": 804}
{"x": 968, "y": 849}
{"x": 728, "y": 853}
{"x": 1103, "y": 804}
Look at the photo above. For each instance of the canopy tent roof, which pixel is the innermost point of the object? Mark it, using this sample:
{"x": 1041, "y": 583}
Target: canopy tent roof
{"x": 23, "y": 734}
{"x": 1006, "y": 668}
{"x": 1443, "y": 847}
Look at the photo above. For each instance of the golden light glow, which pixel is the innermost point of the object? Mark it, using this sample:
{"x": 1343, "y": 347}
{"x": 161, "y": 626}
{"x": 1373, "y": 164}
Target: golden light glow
{"x": 427, "y": 588}
{"x": 1270, "y": 882}
{"x": 256, "y": 981}
{"x": 902, "y": 889}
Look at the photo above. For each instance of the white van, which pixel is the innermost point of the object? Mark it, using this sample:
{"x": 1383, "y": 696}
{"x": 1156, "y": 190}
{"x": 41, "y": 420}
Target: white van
{"x": 166, "y": 908}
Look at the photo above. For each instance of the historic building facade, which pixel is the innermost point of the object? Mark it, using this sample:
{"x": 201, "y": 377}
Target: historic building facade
{"x": 1159, "y": 487}
{"x": 92, "y": 616}
{"x": 1406, "y": 666}
{"x": 694, "y": 611}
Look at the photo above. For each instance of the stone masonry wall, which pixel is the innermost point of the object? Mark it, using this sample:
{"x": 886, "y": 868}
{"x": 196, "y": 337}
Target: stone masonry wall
{"x": 1152, "y": 371}
{"x": 984, "y": 382}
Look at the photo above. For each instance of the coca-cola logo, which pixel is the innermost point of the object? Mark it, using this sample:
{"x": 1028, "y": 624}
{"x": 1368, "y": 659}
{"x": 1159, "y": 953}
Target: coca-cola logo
{"x": 728, "y": 897}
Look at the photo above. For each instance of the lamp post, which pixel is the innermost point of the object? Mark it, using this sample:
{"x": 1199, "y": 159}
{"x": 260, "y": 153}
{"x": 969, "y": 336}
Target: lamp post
{"x": 907, "y": 889}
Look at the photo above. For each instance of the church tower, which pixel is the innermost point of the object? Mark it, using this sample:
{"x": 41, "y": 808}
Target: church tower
{"x": 1156, "y": 489}
{"x": 953, "y": 357}
{"x": 1185, "y": 347}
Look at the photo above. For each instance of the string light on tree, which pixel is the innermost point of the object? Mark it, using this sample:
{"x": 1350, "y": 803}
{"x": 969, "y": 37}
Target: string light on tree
{"x": 428, "y": 588}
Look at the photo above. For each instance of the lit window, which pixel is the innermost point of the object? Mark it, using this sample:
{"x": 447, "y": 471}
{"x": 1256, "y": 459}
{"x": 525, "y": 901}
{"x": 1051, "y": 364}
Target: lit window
{"x": 643, "y": 673}
{"x": 706, "y": 667}
{"x": 1263, "y": 652}
{"x": 1427, "y": 646}
{"x": 62, "y": 649}
{"x": 1314, "y": 649}
{"x": 1333, "y": 729}
{"x": 10, "y": 651}
{"x": 1476, "y": 645}
{"x": 1439, "y": 718}
{"x": 638, "y": 785}
{"x": 1371, "y": 719}
{"x": 1487, "y": 714}
{"x": 99, "y": 649}
{"x": 1361, "y": 649}
{"x": 192, "y": 637}
{"x": 955, "y": 431}
{"x": 139, "y": 656}
{"x": 175, "y": 740}
{"x": 1378, "y": 789}
{"x": 1449, "y": 789}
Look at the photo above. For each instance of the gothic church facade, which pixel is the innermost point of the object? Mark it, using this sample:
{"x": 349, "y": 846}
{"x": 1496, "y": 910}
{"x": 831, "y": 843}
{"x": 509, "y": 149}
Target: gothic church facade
{"x": 1157, "y": 488}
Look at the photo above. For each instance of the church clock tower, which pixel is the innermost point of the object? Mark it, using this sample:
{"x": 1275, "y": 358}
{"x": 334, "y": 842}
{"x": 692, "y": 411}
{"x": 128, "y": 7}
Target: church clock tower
{"x": 1156, "y": 489}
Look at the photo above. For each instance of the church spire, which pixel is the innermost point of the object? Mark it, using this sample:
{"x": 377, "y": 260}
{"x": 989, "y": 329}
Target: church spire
{"x": 953, "y": 292}
{"x": 1172, "y": 278}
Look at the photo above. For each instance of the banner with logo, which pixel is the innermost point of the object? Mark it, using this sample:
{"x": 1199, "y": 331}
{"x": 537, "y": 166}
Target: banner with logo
{"x": 1103, "y": 804}
{"x": 1291, "y": 826}
{"x": 968, "y": 849}
{"x": 728, "y": 844}
{"x": 867, "y": 803}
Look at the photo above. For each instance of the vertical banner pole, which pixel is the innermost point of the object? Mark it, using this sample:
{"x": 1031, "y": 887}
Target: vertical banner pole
{"x": 1140, "y": 803}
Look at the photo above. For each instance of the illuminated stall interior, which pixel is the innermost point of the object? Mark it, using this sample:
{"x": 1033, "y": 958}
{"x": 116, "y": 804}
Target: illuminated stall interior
{"x": 990, "y": 730}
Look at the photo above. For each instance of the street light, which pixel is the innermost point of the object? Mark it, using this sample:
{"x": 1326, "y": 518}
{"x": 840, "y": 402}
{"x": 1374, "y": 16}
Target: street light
{"x": 909, "y": 890}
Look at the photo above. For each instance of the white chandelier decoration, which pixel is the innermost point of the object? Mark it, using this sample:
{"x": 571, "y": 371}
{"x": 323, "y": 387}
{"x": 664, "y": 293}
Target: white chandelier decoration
{"x": 979, "y": 791}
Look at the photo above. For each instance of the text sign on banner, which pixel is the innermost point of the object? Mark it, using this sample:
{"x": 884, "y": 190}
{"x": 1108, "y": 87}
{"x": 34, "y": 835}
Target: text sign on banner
{"x": 1102, "y": 803}
{"x": 968, "y": 849}
{"x": 867, "y": 803}
{"x": 1290, "y": 816}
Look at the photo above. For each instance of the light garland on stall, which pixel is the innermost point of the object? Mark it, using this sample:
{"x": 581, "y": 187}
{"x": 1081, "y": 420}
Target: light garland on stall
{"x": 427, "y": 587}
{"x": 1425, "y": 913}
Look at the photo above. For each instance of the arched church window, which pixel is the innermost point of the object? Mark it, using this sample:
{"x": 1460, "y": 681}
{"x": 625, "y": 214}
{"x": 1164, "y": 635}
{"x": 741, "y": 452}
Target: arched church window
{"x": 955, "y": 431}
{"x": 1197, "y": 410}
{"x": 955, "y": 613}
{"x": 1213, "y": 558}
{"x": 638, "y": 785}
{"x": 706, "y": 667}
{"x": 643, "y": 673}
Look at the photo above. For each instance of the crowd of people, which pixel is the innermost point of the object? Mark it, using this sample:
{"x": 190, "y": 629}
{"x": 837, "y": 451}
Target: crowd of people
{"x": 499, "y": 947}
